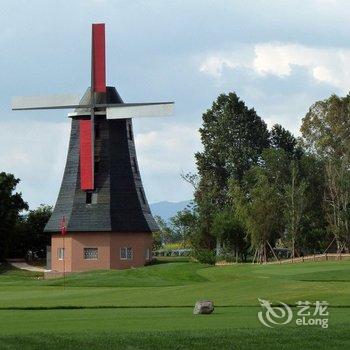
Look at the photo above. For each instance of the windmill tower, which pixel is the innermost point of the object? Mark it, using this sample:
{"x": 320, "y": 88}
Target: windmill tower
{"x": 108, "y": 223}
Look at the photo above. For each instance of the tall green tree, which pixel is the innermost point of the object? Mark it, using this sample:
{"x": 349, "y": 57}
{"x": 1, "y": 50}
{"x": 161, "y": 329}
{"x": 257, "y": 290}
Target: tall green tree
{"x": 259, "y": 210}
{"x": 11, "y": 205}
{"x": 294, "y": 206}
{"x": 35, "y": 222}
{"x": 233, "y": 137}
{"x": 281, "y": 138}
{"x": 183, "y": 225}
{"x": 314, "y": 236}
{"x": 326, "y": 128}
{"x": 326, "y": 134}
{"x": 337, "y": 201}
{"x": 231, "y": 235}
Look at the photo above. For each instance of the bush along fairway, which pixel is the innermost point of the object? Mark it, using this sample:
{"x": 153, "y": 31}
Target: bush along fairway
{"x": 151, "y": 307}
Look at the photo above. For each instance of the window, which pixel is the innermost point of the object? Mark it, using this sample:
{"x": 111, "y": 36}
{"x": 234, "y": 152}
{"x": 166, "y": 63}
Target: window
{"x": 90, "y": 253}
{"x": 126, "y": 253}
{"x": 60, "y": 253}
{"x": 91, "y": 198}
{"x": 88, "y": 197}
{"x": 147, "y": 254}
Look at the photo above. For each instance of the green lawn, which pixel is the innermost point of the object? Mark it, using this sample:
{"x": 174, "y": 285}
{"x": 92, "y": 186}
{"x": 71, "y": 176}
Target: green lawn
{"x": 151, "y": 307}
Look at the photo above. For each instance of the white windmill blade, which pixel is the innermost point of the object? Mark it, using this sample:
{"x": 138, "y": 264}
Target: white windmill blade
{"x": 46, "y": 102}
{"x": 132, "y": 110}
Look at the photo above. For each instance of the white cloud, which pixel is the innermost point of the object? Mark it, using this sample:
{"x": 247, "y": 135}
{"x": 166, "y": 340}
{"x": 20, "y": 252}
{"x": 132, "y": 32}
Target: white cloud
{"x": 163, "y": 155}
{"x": 214, "y": 65}
{"x": 327, "y": 65}
{"x": 168, "y": 150}
{"x": 35, "y": 152}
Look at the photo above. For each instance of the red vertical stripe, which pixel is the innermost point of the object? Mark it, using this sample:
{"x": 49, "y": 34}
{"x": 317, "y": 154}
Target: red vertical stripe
{"x": 99, "y": 59}
{"x": 86, "y": 165}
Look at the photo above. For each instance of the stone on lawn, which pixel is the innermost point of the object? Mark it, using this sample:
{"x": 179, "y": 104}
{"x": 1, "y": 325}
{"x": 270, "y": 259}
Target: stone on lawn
{"x": 203, "y": 307}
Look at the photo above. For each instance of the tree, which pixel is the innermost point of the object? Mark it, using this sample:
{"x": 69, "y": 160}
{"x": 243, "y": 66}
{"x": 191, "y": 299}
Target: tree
{"x": 231, "y": 234}
{"x": 294, "y": 205}
{"x": 259, "y": 209}
{"x": 325, "y": 128}
{"x": 35, "y": 222}
{"x": 233, "y": 137}
{"x": 29, "y": 233}
{"x": 11, "y": 204}
{"x": 325, "y": 131}
{"x": 313, "y": 236}
{"x": 164, "y": 234}
{"x": 280, "y": 138}
{"x": 338, "y": 201}
{"x": 183, "y": 225}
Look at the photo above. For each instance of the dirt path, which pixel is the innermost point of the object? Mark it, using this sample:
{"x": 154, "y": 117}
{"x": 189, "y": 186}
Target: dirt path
{"x": 25, "y": 266}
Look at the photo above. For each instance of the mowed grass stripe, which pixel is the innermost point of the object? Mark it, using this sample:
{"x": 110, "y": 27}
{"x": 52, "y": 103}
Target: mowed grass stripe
{"x": 226, "y": 328}
{"x": 228, "y": 286}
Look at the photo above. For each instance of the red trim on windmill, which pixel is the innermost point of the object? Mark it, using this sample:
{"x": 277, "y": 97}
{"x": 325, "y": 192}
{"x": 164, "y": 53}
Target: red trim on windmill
{"x": 98, "y": 84}
{"x": 99, "y": 57}
{"x": 63, "y": 226}
{"x": 86, "y": 165}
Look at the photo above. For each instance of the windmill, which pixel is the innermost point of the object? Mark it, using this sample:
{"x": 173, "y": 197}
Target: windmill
{"x": 113, "y": 110}
{"x": 101, "y": 195}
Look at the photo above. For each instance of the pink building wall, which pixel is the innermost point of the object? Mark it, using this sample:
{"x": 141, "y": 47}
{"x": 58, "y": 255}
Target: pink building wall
{"x": 108, "y": 245}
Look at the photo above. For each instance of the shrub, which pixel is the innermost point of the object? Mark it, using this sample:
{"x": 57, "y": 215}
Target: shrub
{"x": 205, "y": 256}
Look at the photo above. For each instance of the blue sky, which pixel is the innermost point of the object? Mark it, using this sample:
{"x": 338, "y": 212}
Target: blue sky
{"x": 278, "y": 56}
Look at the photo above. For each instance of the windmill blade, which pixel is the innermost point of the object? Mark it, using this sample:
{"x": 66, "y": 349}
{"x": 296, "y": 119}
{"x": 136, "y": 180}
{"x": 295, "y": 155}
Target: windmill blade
{"x": 98, "y": 58}
{"x": 132, "y": 110}
{"x": 65, "y": 101}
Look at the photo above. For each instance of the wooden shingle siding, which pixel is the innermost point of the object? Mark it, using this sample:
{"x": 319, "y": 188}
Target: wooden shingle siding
{"x": 119, "y": 206}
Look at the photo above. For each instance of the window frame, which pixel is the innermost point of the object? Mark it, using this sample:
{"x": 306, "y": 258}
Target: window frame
{"x": 59, "y": 255}
{"x": 85, "y": 250}
{"x": 148, "y": 254}
{"x": 88, "y": 197}
{"x": 126, "y": 255}
{"x": 91, "y": 197}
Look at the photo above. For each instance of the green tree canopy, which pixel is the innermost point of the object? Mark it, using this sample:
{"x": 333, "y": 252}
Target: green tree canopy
{"x": 233, "y": 137}
{"x": 282, "y": 139}
{"x": 11, "y": 204}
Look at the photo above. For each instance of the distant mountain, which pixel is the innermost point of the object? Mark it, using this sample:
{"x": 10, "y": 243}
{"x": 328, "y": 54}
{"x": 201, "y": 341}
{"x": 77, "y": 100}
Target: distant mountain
{"x": 166, "y": 209}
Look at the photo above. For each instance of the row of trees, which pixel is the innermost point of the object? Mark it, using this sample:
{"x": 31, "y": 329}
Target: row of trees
{"x": 256, "y": 189}
{"x": 21, "y": 229}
